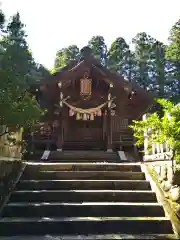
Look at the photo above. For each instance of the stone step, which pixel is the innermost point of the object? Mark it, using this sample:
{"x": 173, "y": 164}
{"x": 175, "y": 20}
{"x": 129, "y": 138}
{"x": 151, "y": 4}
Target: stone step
{"x": 49, "y": 209}
{"x": 83, "y": 196}
{"x": 83, "y": 146}
{"x": 86, "y": 152}
{"x": 84, "y": 156}
{"x": 83, "y": 184}
{"x": 79, "y": 160}
{"x": 78, "y": 156}
{"x": 100, "y": 175}
{"x": 85, "y": 225}
{"x": 84, "y": 167}
{"x": 92, "y": 237}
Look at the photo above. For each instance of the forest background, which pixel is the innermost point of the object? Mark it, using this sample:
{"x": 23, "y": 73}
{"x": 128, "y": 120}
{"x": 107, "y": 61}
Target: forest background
{"x": 148, "y": 62}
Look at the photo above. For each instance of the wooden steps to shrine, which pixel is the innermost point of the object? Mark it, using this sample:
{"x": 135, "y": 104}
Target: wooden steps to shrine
{"x": 84, "y": 201}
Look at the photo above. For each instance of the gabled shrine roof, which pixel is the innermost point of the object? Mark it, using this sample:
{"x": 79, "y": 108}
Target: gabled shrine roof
{"x": 137, "y": 106}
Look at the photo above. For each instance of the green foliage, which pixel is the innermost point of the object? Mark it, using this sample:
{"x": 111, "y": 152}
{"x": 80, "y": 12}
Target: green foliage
{"x": 173, "y": 50}
{"x": 65, "y": 56}
{"x": 161, "y": 129}
{"x": 2, "y": 19}
{"x": 147, "y": 64}
{"x": 152, "y": 124}
{"x": 18, "y": 107}
{"x": 143, "y": 44}
{"x": 173, "y": 55}
{"x": 99, "y": 48}
{"x": 158, "y": 68}
{"x": 153, "y": 65}
{"x": 150, "y": 63}
{"x": 121, "y": 59}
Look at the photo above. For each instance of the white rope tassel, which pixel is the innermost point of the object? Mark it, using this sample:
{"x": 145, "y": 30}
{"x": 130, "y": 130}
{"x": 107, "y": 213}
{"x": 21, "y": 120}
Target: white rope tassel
{"x": 45, "y": 155}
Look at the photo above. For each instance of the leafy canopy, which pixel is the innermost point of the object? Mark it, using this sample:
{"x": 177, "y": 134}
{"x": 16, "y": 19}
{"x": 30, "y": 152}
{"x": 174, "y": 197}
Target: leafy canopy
{"x": 18, "y": 107}
{"x": 161, "y": 129}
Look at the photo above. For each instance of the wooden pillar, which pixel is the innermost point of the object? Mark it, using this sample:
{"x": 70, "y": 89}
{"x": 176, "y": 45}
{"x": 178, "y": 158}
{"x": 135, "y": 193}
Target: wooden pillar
{"x": 32, "y": 142}
{"x": 109, "y": 132}
{"x": 48, "y": 143}
{"x": 60, "y": 134}
{"x": 60, "y": 127}
{"x": 146, "y": 152}
{"x": 104, "y": 126}
{"x": 109, "y": 121}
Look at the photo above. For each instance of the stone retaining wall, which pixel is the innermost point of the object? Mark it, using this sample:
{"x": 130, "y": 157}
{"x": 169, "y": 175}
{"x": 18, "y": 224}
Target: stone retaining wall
{"x": 168, "y": 177}
{"x": 9, "y": 172}
{"x": 10, "y": 149}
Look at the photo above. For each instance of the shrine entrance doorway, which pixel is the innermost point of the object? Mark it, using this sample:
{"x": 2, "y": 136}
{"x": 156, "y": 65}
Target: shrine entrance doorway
{"x": 84, "y": 135}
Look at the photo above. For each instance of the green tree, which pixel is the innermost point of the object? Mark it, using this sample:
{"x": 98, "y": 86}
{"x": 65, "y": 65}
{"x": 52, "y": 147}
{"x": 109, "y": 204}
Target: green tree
{"x": 121, "y": 59}
{"x": 2, "y": 22}
{"x": 2, "y": 19}
{"x": 143, "y": 46}
{"x": 117, "y": 55}
{"x": 161, "y": 129}
{"x": 38, "y": 73}
{"x": 99, "y": 48}
{"x": 158, "y": 70}
{"x": 65, "y": 55}
{"x": 173, "y": 50}
{"x": 17, "y": 106}
{"x": 173, "y": 55}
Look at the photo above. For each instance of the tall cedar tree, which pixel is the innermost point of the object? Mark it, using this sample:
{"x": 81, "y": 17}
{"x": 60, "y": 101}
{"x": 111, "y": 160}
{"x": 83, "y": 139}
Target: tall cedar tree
{"x": 158, "y": 68}
{"x": 99, "y": 48}
{"x": 18, "y": 108}
{"x": 143, "y": 46}
{"x": 65, "y": 55}
{"x": 121, "y": 59}
{"x": 173, "y": 55}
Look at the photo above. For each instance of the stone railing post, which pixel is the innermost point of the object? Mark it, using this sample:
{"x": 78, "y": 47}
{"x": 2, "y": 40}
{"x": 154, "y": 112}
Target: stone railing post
{"x": 161, "y": 147}
{"x": 159, "y": 151}
{"x": 145, "y": 138}
{"x": 157, "y": 147}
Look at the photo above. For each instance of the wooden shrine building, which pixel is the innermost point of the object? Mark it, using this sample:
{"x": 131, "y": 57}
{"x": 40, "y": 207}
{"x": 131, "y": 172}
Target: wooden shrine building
{"x": 89, "y": 107}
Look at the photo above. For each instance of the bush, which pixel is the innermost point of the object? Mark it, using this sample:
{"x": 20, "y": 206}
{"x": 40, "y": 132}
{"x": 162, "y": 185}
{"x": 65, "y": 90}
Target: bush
{"x": 161, "y": 129}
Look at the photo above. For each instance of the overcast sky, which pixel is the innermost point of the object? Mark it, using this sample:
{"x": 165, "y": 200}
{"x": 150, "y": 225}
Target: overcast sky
{"x": 55, "y": 24}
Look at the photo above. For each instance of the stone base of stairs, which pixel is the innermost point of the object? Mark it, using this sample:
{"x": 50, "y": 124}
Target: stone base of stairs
{"x": 81, "y": 156}
{"x": 84, "y": 201}
{"x": 92, "y": 237}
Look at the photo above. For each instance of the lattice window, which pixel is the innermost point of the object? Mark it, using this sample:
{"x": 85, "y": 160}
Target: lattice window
{"x": 119, "y": 124}
{"x": 124, "y": 123}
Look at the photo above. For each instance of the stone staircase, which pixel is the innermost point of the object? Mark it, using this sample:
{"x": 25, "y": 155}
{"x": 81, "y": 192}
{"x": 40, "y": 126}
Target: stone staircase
{"x": 84, "y": 201}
